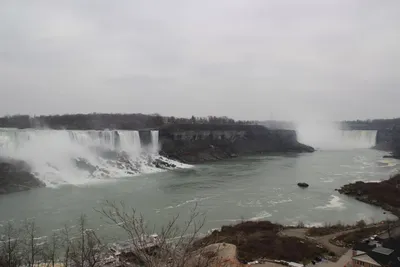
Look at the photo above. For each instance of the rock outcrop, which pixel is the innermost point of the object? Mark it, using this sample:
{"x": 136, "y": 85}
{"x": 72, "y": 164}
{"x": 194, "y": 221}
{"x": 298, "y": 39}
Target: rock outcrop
{"x": 303, "y": 185}
{"x": 200, "y": 143}
{"x": 384, "y": 194}
{"x": 16, "y": 176}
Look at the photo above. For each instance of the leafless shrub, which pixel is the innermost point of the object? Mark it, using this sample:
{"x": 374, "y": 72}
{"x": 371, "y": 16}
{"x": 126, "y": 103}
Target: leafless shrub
{"x": 173, "y": 246}
{"x": 66, "y": 245}
{"x": 81, "y": 247}
{"x": 300, "y": 224}
{"x": 10, "y": 245}
{"x": 32, "y": 248}
{"x": 361, "y": 224}
{"x": 50, "y": 250}
{"x": 85, "y": 249}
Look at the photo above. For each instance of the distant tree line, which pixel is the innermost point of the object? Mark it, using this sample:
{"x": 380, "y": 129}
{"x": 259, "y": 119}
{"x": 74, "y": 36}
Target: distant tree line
{"x": 100, "y": 121}
{"x": 376, "y": 124}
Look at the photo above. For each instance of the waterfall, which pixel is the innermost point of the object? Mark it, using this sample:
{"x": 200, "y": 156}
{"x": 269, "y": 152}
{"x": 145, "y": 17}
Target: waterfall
{"x": 78, "y": 157}
{"x": 327, "y": 136}
{"x": 154, "y": 142}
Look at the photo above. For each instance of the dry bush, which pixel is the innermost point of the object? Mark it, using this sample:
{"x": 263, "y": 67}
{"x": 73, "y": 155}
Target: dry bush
{"x": 84, "y": 250}
{"x": 81, "y": 247}
{"x": 32, "y": 249}
{"x": 361, "y": 224}
{"x": 10, "y": 246}
{"x": 20, "y": 246}
{"x": 174, "y": 245}
{"x": 50, "y": 250}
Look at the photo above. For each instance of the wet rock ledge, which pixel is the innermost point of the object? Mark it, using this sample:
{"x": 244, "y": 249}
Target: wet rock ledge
{"x": 16, "y": 176}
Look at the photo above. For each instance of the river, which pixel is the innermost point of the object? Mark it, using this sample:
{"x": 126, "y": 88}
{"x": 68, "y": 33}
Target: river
{"x": 246, "y": 188}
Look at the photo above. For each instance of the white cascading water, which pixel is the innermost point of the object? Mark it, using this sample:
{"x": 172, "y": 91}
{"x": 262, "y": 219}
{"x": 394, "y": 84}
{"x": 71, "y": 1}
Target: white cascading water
{"x": 154, "y": 142}
{"x": 328, "y": 136}
{"x": 78, "y": 157}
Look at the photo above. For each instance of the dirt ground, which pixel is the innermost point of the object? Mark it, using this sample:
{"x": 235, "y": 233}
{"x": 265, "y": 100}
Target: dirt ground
{"x": 322, "y": 240}
{"x": 345, "y": 260}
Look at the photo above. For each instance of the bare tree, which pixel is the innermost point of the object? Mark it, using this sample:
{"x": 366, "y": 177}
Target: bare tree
{"x": 10, "y": 245}
{"x": 66, "y": 245}
{"x": 51, "y": 249}
{"x": 32, "y": 249}
{"x": 172, "y": 247}
{"x": 86, "y": 247}
{"x": 389, "y": 227}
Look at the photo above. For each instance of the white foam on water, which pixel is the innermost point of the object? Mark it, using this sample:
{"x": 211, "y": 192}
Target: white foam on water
{"x": 81, "y": 157}
{"x": 260, "y": 216}
{"x": 254, "y": 203}
{"x": 384, "y": 163}
{"x": 276, "y": 202}
{"x": 326, "y": 180}
{"x": 334, "y": 204}
{"x": 227, "y": 220}
{"x": 314, "y": 224}
{"x": 194, "y": 200}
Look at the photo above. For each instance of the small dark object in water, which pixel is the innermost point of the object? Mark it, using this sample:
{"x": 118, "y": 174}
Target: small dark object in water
{"x": 303, "y": 185}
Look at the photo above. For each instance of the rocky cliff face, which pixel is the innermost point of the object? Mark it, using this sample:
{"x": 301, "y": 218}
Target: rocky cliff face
{"x": 396, "y": 142}
{"x": 389, "y": 140}
{"x": 16, "y": 176}
{"x": 201, "y": 143}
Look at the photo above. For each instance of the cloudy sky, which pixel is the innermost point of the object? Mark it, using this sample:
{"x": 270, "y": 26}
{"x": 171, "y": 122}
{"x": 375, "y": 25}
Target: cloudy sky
{"x": 248, "y": 59}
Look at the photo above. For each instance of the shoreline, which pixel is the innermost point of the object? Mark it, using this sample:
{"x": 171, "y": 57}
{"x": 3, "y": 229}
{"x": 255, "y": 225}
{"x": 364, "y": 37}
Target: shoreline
{"x": 383, "y": 194}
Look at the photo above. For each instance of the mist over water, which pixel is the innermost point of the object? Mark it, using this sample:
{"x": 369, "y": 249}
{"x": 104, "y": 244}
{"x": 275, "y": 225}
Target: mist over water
{"x": 329, "y": 136}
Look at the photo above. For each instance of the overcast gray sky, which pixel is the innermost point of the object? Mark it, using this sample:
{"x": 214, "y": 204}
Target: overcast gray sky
{"x": 247, "y": 59}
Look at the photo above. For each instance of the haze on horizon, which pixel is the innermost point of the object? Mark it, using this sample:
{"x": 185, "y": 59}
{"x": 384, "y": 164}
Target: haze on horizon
{"x": 335, "y": 59}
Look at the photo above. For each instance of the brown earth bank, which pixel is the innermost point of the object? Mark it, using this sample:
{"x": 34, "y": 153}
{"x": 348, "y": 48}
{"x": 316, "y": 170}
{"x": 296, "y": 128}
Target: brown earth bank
{"x": 261, "y": 240}
{"x": 385, "y": 194}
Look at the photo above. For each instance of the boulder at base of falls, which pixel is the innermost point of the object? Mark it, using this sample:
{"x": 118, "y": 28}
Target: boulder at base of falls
{"x": 303, "y": 185}
{"x": 16, "y": 176}
{"x": 159, "y": 163}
